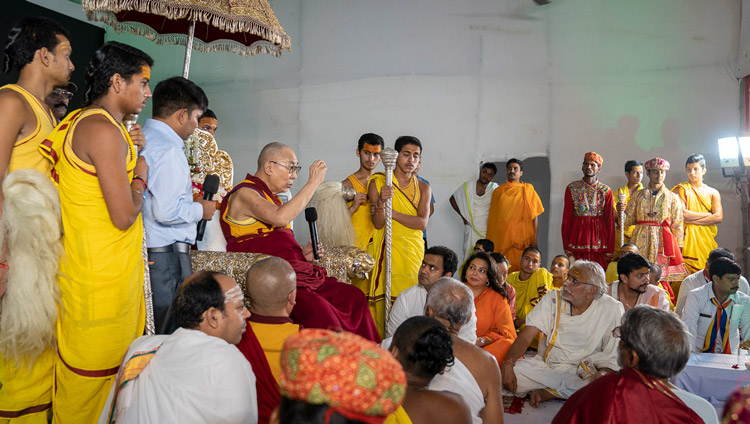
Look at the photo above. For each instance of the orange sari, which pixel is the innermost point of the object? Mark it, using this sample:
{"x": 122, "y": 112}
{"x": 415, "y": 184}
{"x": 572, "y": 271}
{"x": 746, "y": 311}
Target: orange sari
{"x": 495, "y": 323}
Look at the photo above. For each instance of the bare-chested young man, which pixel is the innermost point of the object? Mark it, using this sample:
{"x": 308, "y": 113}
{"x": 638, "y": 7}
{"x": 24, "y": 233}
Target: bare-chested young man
{"x": 368, "y": 152}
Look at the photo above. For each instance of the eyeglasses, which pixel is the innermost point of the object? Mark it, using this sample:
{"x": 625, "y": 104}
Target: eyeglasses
{"x": 293, "y": 169}
{"x": 576, "y": 282}
{"x": 62, "y": 93}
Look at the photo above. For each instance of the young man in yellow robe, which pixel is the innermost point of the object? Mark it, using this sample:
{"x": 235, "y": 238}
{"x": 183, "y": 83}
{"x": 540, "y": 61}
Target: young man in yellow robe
{"x": 101, "y": 181}
{"x": 512, "y": 223}
{"x": 411, "y": 210}
{"x": 634, "y": 174}
{"x": 531, "y": 283}
{"x": 368, "y": 152}
{"x": 701, "y": 208}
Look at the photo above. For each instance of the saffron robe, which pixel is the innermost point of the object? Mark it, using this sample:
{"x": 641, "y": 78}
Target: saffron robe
{"x": 510, "y": 224}
{"x": 322, "y": 301}
{"x": 494, "y": 322}
{"x": 101, "y": 279}
{"x": 407, "y": 250}
{"x": 588, "y": 223}
{"x": 25, "y": 153}
{"x": 699, "y": 240}
{"x": 529, "y": 292}
{"x": 475, "y": 209}
{"x": 626, "y": 397}
{"x": 361, "y": 219}
{"x": 399, "y": 416}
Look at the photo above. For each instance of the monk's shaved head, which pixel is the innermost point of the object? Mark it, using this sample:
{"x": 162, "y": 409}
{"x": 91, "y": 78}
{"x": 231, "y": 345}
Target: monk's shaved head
{"x": 270, "y": 152}
{"x": 268, "y": 285}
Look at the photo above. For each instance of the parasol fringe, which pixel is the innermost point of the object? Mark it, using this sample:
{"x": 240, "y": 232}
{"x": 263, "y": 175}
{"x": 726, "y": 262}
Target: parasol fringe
{"x": 103, "y": 11}
{"x": 228, "y": 46}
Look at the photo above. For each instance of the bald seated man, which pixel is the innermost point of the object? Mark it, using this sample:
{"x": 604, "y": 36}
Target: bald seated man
{"x": 194, "y": 375}
{"x": 254, "y": 220}
{"x": 475, "y": 374}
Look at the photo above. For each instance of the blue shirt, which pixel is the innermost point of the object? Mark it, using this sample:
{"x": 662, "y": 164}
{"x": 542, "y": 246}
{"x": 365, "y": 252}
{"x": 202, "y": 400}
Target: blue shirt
{"x": 169, "y": 213}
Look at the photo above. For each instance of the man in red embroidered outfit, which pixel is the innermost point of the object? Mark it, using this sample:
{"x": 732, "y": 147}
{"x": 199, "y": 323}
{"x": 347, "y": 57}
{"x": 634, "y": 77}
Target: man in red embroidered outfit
{"x": 253, "y": 219}
{"x": 588, "y": 224}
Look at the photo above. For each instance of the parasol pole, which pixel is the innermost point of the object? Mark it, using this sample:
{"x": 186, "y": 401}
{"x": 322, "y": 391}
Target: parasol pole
{"x": 388, "y": 156}
{"x": 621, "y": 197}
{"x": 188, "y": 49}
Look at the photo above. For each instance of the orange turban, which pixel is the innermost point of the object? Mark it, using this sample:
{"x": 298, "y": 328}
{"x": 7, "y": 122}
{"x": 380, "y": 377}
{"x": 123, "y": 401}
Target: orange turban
{"x": 596, "y": 157}
{"x": 356, "y": 377}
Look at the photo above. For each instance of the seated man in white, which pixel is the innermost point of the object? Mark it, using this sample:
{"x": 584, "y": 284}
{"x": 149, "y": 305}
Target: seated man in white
{"x": 196, "y": 374}
{"x": 634, "y": 287}
{"x": 702, "y": 277}
{"x": 715, "y": 312}
{"x": 577, "y": 344}
{"x": 439, "y": 261}
{"x": 475, "y": 374}
{"x": 654, "y": 347}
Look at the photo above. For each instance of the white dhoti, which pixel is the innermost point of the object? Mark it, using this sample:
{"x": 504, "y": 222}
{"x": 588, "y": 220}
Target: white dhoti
{"x": 474, "y": 209}
{"x": 459, "y": 380}
{"x": 573, "y": 347}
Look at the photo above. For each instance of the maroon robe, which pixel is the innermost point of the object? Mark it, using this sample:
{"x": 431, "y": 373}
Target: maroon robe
{"x": 322, "y": 301}
{"x": 266, "y": 387}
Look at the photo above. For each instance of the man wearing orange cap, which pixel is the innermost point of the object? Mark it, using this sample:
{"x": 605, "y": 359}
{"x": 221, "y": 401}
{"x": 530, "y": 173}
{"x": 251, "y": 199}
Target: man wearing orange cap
{"x": 656, "y": 213}
{"x": 588, "y": 224}
{"x": 368, "y": 152}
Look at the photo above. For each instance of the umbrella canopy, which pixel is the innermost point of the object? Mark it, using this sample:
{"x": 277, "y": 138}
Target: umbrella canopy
{"x": 245, "y": 27}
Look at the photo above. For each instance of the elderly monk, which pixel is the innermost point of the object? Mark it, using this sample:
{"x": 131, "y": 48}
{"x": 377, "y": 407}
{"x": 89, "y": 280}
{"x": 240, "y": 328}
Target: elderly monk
{"x": 368, "y": 152}
{"x": 424, "y": 348}
{"x": 475, "y": 374}
{"x": 634, "y": 285}
{"x": 271, "y": 289}
{"x": 471, "y": 201}
{"x": 577, "y": 345}
{"x": 513, "y": 220}
{"x": 337, "y": 377}
{"x": 588, "y": 223}
{"x": 657, "y": 215}
{"x": 654, "y": 347}
{"x": 253, "y": 219}
{"x": 194, "y": 375}
{"x": 701, "y": 208}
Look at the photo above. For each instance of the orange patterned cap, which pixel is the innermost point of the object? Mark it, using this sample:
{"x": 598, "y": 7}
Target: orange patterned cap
{"x": 356, "y": 377}
{"x": 657, "y": 163}
{"x": 596, "y": 157}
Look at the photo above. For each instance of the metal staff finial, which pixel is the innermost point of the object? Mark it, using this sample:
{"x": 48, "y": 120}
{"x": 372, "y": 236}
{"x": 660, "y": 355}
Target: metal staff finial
{"x": 388, "y": 156}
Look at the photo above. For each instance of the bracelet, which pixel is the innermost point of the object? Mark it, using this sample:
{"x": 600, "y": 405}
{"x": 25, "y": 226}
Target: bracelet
{"x": 145, "y": 187}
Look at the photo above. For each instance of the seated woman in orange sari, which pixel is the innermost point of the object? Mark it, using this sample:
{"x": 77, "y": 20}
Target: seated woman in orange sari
{"x": 495, "y": 330}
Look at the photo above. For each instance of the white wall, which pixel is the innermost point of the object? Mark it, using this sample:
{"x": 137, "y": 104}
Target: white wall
{"x": 485, "y": 80}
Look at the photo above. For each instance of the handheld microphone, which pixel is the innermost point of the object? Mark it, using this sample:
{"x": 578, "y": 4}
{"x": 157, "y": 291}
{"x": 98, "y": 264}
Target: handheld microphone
{"x": 311, "y": 215}
{"x": 210, "y": 187}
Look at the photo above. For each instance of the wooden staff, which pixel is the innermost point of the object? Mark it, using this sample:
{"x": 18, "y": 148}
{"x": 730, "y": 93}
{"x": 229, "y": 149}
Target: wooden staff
{"x": 388, "y": 156}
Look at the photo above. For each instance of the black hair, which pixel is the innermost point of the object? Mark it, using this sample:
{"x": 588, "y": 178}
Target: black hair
{"x": 493, "y": 279}
{"x": 489, "y": 165}
{"x": 177, "y": 93}
{"x": 424, "y": 346}
{"x": 450, "y": 260}
{"x": 293, "y": 411}
{"x": 696, "y": 158}
{"x": 631, "y": 163}
{"x": 487, "y": 245}
{"x": 723, "y": 266}
{"x": 516, "y": 161}
{"x": 499, "y": 257}
{"x": 112, "y": 58}
{"x": 208, "y": 113}
{"x": 370, "y": 138}
{"x": 720, "y": 252}
{"x": 531, "y": 249}
{"x": 405, "y": 140}
{"x": 631, "y": 262}
{"x": 28, "y": 35}
{"x": 200, "y": 292}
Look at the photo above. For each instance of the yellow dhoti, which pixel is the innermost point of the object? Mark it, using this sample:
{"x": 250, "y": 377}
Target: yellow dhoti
{"x": 699, "y": 239}
{"x": 361, "y": 219}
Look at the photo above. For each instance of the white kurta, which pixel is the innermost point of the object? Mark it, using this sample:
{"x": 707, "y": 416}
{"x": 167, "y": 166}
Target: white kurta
{"x": 654, "y": 296}
{"x": 459, "y": 380}
{"x": 192, "y": 378}
{"x": 579, "y": 345}
{"x": 699, "y": 312}
{"x": 411, "y": 302}
{"x": 474, "y": 209}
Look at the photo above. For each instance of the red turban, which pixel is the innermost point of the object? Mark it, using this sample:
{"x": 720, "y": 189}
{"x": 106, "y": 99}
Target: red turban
{"x": 596, "y": 157}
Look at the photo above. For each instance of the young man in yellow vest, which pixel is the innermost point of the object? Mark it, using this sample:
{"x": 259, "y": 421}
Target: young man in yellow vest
{"x": 368, "y": 152}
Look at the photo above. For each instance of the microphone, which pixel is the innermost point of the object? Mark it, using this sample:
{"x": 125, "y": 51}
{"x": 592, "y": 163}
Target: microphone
{"x": 311, "y": 215}
{"x": 129, "y": 120}
{"x": 210, "y": 187}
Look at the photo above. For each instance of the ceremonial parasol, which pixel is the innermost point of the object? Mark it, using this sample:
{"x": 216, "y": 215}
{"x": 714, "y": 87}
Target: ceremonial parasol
{"x": 245, "y": 27}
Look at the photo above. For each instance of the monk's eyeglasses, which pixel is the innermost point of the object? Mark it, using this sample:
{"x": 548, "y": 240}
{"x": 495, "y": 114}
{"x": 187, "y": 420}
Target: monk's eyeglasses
{"x": 576, "y": 282}
{"x": 293, "y": 169}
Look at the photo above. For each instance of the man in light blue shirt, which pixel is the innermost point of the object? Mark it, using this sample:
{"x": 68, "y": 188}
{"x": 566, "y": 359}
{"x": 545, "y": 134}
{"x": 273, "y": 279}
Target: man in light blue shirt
{"x": 170, "y": 215}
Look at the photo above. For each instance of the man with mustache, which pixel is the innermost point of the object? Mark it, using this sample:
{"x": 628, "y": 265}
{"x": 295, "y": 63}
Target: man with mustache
{"x": 471, "y": 201}
{"x": 59, "y": 99}
{"x": 577, "y": 345}
{"x": 634, "y": 286}
{"x": 368, "y": 152}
